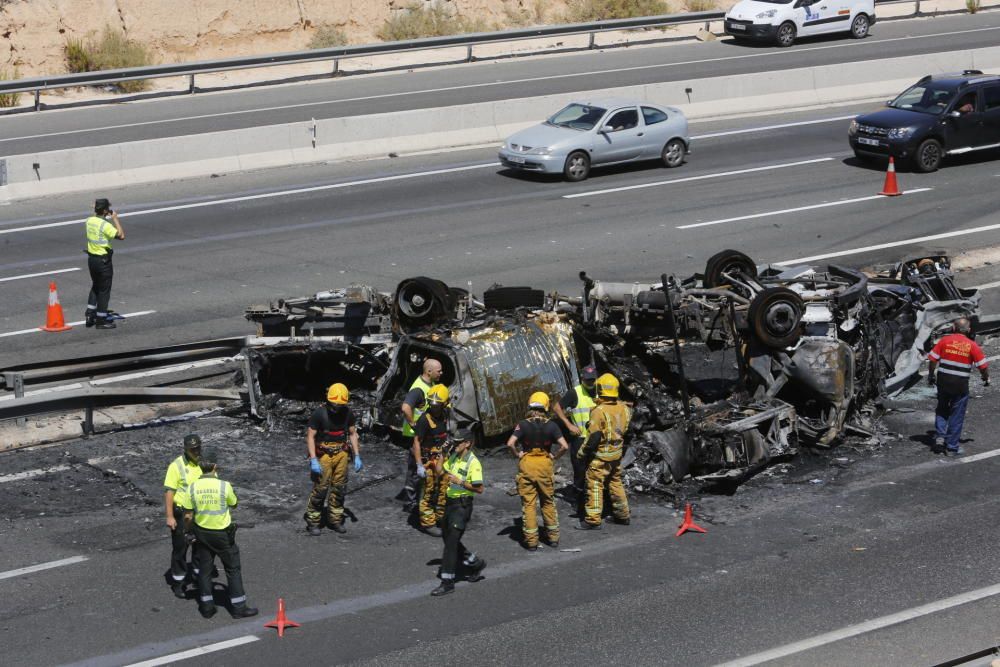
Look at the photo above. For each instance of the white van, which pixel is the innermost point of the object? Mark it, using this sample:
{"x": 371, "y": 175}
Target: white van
{"x": 781, "y": 21}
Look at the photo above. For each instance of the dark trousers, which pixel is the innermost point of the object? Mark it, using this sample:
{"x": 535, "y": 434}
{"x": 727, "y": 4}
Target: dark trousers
{"x": 949, "y": 418}
{"x": 221, "y": 543}
{"x": 411, "y": 485}
{"x": 101, "y": 274}
{"x": 179, "y": 548}
{"x": 457, "y": 513}
{"x": 579, "y": 467}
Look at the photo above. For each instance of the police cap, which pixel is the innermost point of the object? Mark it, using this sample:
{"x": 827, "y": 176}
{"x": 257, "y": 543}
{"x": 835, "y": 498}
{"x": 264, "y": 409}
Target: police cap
{"x": 102, "y": 204}
{"x": 192, "y": 441}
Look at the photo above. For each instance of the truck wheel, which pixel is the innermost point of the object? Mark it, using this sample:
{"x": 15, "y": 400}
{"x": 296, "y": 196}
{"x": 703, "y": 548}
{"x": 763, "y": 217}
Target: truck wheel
{"x": 928, "y": 156}
{"x": 727, "y": 261}
{"x": 786, "y": 34}
{"x": 775, "y": 315}
{"x": 577, "y": 167}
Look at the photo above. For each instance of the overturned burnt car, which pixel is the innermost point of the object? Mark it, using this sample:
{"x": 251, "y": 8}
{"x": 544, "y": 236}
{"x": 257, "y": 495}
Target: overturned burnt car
{"x": 728, "y": 370}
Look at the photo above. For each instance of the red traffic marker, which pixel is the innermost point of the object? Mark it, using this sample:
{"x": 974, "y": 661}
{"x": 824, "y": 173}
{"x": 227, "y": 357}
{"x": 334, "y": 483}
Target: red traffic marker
{"x": 891, "y": 188}
{"x": 688, "y": 523}
{"x": 281, "y": 621}
{"x": 54, "y": 320}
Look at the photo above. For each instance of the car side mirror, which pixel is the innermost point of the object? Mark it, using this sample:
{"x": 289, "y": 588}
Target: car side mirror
{"x": 607, "y": 129}
{"x": 888, "y": 103}
{"x": 954, "y": 114}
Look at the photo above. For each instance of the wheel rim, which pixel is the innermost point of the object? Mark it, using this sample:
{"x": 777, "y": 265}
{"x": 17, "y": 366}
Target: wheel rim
{"x": 781, "y": 319}
{"x": 673, "y": 154}
{"x": 577, "y": 166}
{"x": 860, "y": 26}
{"x": 930, "y": 156}
{"x": 785, "y": 34}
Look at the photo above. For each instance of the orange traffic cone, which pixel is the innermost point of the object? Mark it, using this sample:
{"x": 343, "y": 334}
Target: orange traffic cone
{"x": 688, "y": 523}
{"x": 280, "y": 621}
{"x": 54, "y": 320}
{"x": 891, "y": 188}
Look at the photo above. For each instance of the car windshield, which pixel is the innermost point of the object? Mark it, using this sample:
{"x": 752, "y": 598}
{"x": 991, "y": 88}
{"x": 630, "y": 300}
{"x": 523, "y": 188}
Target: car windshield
{"x": 924, "y": 98}
{"x": 577, "y": 117}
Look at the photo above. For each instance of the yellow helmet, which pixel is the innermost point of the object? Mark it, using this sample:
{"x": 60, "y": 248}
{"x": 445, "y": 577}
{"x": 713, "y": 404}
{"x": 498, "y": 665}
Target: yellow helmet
{"x": 607, "y": 386}
{"x": 539, "y": 400}
{"x": 437, "y": 394}
{"x": 338, "y": 394}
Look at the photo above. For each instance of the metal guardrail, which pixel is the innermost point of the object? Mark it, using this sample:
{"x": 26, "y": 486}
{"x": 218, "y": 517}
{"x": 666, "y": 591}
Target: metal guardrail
{"x": 336, "y": 54}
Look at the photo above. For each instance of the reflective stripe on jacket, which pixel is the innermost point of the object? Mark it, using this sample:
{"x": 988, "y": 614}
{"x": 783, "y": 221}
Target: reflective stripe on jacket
{"x": 210, "y": 499}
{"x": 98, "y": 242}
{"x": 467, "y": 469}
{"x": 612, "y": 419}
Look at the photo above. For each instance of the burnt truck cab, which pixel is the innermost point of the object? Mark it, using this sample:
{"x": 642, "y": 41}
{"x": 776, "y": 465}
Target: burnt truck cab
{"x": 938, "y": 116}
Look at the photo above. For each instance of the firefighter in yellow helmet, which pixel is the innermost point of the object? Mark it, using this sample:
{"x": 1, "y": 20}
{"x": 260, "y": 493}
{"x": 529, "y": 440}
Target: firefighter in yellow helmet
{"x": 604, "y": 446}
{"x": 531, "y": 442}
{"x": 430, "y": 435}
{"x": 331, "y": 437}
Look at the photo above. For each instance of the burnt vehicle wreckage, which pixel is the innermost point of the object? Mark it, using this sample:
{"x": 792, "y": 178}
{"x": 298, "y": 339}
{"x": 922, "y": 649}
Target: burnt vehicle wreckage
{"x": 728, "y": 370}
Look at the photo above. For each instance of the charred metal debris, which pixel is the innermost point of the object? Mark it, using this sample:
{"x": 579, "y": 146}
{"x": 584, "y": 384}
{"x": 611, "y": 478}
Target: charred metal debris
{"x": 728, "y": 370}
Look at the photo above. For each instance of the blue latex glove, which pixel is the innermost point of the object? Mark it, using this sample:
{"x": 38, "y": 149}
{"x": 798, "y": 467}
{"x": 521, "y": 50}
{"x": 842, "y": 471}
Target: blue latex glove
{"x": 357, "y": 463}
{"x": 314, "y": 466}
{"x": 421, "y": 471}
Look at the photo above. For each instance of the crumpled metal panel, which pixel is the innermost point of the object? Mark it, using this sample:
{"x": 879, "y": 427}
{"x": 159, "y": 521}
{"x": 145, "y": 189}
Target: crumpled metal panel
{"x": 509, "y": 361}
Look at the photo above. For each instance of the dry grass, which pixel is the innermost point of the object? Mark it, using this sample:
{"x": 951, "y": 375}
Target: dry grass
{"x": 9, "y": 100}
{"x": 112, "y": 50}
{"x": 327, "y": 37}
{"x": 435, "y": 20}
{"x": 701, "y": 5}
{"x": 526, "y": 16}
{"x": 972, "y": 6}
{"x": 583, "y": 11}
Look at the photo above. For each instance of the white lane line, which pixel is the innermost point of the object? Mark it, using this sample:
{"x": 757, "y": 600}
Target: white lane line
{"x": 979, "y": 457}
{"x": 493, "y": 84}
{"x": 265, "y": 195}
{"x": 36, "y": 275}
{"x": 986, "y": 285}
{"x": 29, "y": 474}
{"x": 72, "y": 324}
{"x": 864, "y": 628}
{"x": 195, "y": 652}
{"x": 703, "y": 177}
{"x": 891, "y": 244}
{"x": 765, "y": 128}
{"x": 42, "y": 566}
{"x": 797, "y": 209}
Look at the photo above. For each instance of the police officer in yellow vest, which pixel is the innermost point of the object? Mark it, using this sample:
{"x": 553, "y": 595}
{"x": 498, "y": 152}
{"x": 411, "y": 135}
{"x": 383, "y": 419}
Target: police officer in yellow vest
{"x": 181, "y": 473}
{"x": 465, "y": 479}
{"x": 102, "y": 228}
{"x": 573, "y": 410}
{"x": 414, "y": 405}
{"x": 207, "y": 514}
{"x": 609, "y": 421}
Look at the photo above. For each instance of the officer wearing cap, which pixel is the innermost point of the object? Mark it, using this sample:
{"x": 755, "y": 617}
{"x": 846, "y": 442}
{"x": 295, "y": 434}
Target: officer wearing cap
{"x": 573, "y": 410}
{"x": 206, "y": 512}
{"x": 181, "y": 473}
{"x": 102, "y": 227}
{"x": 464, "y": 475}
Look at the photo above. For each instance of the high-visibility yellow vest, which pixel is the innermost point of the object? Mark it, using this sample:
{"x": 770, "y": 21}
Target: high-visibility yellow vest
{"x": 580, "y": 414}
{"x": 98, "y": 241}
{"x": 467, "y": 469}
{"x": 418, "y": 410}
{"x": 210, "y": 498}
{"x": 181, "y": 474}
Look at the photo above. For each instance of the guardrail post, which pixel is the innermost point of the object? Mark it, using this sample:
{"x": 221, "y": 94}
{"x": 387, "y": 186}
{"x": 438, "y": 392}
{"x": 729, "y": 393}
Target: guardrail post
{"x": 38, "y": 100}
{"x": 336, "y": 67}
{"x": 19, "y": 393}
{"x": 191, "y": 84}
{"x": 468, "y": 53}
{"x": 88, "y": 420}
{"x": 916, "y": 8}
{"x": 591, "y": 44}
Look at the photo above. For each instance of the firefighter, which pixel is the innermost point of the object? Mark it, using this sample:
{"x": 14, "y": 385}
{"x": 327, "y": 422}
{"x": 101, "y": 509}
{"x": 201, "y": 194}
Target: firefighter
{"x": 414, "y": 405}
{"x": 181, "y": 473}
{"x": 429, "y": 439}
{"x": 332, "y": 436}
{"x": 465, "y": 479}
{"x": 536, "y": 469}
{"x": 573, "y": 410}
{"x": 102, "y": 228}
{"x": 604, "y": 446}
{"x": 207, "y": 515}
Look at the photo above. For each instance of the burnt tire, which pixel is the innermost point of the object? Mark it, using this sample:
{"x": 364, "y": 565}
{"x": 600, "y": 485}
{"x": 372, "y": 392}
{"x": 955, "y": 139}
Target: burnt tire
{"x": 577, "y": 167}
{"x": 727, "y": 261}
{"x": 928, "y": 156}
{"x": 674, "y": 446}
{"x": 508, "y": 298}
{"x": 673, "y": 153}
{"x": 785, "y": 36}
{"x": 775, "y": 315}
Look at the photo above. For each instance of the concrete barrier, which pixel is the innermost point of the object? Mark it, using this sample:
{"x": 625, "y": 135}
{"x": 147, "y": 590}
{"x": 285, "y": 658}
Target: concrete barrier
{"x": 100, "y": 167}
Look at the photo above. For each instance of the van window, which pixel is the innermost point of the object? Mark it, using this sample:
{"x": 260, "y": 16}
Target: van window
{"x": 653, "y": 116}
{"x": 991, "y": 97}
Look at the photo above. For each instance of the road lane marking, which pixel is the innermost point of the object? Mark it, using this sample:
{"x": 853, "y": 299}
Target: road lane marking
{"x": 703, "y": 177}
{"x": 72, "y": 324}
{"x": 492, "y": 84}
{"x": 36, "y": 275}
{"x": 986, "y": 285}
{"x": 765, "y": 128}
{"x": 891, "y": 244}
{"x": 195, "y": 652}
{"x": 979, "y": 457}
{"x": 797, "y": 209}
{"x": 30, "y": 474}
{"x": 42, "y": 566}
{"x": 864, "y": 628}
{"x": 265, "y": 195}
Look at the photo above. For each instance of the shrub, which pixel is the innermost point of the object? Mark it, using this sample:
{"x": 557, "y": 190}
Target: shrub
{"x": 8, "y": 100}
{"x": 583, "y": 11}
{"x": 525, "y": 16}
{"x": 434, "y": 20}
{"x": 700, "y": 5}
{"x": 327, "y": 37}
{"x": 112, "y": 50}
{"x": 972, "y": 6}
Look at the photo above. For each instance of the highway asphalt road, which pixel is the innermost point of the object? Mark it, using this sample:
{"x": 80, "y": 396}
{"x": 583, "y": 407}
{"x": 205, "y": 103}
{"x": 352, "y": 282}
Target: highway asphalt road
{"x": 198, "y": 252}
{"x": 488, "y": 81}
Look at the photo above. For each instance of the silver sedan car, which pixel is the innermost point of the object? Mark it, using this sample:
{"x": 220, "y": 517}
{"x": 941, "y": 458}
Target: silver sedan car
{"x": 599, "y": 132}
